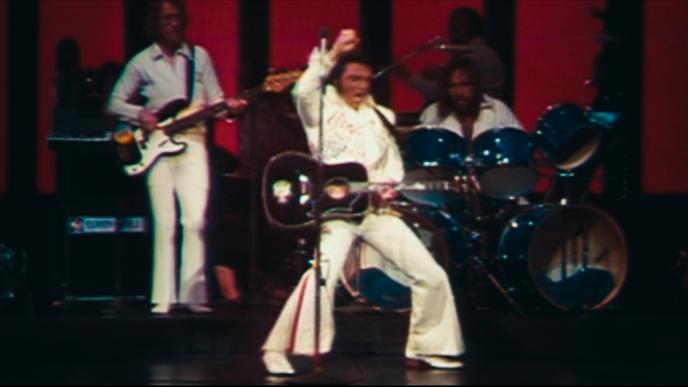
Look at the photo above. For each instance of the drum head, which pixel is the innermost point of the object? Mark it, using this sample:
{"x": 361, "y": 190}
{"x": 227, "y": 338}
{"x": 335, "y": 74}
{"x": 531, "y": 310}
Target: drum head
{"x": 434, "y": 154}
{"x": 435, "y": 147}
{"x": 578, "y": 258}
{"x": 503, "y": 159}
{"x": 567, "y": 136}
{"x": 507, "y": 182}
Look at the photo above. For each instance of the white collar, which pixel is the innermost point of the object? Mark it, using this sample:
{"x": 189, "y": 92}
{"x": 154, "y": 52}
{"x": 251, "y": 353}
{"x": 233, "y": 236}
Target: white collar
{"x": 156, "y": 52}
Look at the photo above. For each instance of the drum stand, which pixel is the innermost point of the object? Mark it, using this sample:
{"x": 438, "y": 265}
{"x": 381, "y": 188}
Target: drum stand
{"x": 479, "y": 263}
{"x": 477, "y": 239}
{"x": 568, "y": 187}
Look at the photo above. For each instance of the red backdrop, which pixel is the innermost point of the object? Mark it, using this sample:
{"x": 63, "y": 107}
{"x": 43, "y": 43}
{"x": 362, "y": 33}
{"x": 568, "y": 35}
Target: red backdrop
{"x": 98, "y": 27}
{"x": 213, "y": 24}
{"x": 3, "y": 97}
{"x": 413, "y": 23}
{"x": 665, "y": 85}
{"x": 555, "y": 48}
{"x": 295, "y": 27}
{"x": 556, "y": 45}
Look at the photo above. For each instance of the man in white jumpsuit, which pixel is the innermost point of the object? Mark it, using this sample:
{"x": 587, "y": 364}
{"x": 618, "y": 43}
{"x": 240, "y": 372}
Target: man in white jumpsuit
{"x": 354, "y": 131}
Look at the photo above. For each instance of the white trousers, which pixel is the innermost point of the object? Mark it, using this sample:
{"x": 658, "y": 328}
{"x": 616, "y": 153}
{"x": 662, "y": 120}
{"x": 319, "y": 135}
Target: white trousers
{"x": 183, "y": 177}
{"x": 434, "y": 326}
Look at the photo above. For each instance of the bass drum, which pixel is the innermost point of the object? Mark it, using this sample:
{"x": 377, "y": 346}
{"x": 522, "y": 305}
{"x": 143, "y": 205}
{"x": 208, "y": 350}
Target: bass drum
{"x": 371, "y": 278}
{"x": 574, "y": 257}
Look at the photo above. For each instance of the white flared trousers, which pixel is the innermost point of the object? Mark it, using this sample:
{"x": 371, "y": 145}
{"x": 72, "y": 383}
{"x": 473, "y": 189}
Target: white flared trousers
{"x": 182, "y": 177}
{"x": 434, "y": 325}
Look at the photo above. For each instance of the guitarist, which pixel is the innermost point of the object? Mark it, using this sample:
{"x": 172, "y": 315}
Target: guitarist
{"x": 355, "y": 131}
{"x": 170, "y": 69}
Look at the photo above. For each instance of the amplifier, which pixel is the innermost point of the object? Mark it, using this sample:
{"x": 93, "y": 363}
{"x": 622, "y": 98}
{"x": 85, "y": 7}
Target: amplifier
{"x": 106, "y": 258}
{"x": 106, "y": 225}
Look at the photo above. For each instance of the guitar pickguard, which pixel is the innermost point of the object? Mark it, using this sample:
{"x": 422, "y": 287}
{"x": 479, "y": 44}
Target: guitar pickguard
{"x": 289, "y": 190}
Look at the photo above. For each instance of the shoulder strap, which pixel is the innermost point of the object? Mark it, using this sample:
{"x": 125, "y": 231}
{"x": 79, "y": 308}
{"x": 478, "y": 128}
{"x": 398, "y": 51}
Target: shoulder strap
{"x": 190, "y": 70}
{"x": 389, "y": 126}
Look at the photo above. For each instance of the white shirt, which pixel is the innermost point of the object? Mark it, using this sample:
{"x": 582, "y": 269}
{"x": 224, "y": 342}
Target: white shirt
{"x": 350, "y": 135}
{"x": 493, "y": 114}
{"x": 153, "y": 77}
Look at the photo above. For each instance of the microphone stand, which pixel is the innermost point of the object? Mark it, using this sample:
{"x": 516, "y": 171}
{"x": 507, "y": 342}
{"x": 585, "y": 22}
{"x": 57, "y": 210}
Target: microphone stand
{"x": 319, "y": 377}
{"x": 427, "y": 45}
{"x": 318, "y": 191}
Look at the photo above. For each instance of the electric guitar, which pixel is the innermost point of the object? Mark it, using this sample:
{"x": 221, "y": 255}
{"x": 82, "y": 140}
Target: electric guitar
{"x": 138, "y": 150}
{"x": 289, "y": 190}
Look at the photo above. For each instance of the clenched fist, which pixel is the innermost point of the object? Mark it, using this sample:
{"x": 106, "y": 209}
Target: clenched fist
{"x": 346, "y": 41}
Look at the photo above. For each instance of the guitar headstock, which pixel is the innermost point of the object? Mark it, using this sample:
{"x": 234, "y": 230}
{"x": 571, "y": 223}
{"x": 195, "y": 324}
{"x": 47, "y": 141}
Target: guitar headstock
{"x": 278, "y": 80}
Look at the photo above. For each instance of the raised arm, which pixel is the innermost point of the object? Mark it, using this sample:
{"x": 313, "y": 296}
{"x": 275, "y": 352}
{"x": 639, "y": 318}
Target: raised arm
{"x": 306, "y": 91}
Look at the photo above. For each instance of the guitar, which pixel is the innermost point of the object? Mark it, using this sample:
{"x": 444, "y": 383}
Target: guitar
{"x": 289, "y": 190}
{"x": 138, "y": 150}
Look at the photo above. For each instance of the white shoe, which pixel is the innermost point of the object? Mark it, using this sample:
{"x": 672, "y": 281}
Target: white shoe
{"x": 277, "y": 363}
{"x": 198, "y": 308}
{"x": 431, "y": 361}
{"x": 162, "y": 308}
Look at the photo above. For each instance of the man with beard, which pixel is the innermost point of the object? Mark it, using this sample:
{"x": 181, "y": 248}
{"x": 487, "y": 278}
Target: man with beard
{"x": 466, "y": 40}
{"x": 464, "y": 108}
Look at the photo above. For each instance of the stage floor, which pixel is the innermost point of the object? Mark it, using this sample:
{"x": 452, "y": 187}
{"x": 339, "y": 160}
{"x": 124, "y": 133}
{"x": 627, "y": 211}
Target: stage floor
{"x": 88, "y": 343}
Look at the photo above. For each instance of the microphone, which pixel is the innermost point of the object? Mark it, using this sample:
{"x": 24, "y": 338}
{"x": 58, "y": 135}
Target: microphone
{"x": 453, "y": 47}
{"x": 434, "y": 41}
{"x": 325, "y": 35}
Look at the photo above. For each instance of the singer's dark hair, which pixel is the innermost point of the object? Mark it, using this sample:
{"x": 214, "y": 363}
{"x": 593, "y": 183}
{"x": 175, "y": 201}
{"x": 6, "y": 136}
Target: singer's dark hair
{"x": 345, "y": 59}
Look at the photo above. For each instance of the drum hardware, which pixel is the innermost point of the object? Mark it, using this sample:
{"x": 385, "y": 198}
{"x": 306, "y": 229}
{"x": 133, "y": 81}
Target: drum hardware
{"x": 493, "y": 280}
{"x": 479, "y": 248}
{"x": 567, "y": 187}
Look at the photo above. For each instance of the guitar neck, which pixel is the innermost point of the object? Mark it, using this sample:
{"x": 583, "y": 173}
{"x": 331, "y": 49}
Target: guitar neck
{"x": 186, "y": 122}
{"x": 252, "y": 94}
{"x": 432, "y": 185}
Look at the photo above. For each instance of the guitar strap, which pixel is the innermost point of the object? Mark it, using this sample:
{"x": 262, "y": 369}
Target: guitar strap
{"x": 374, "y": 201}
{"x": 190, "y": 71}
{"x": 389, "y": 126}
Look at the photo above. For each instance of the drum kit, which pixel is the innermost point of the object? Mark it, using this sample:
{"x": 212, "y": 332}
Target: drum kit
{"x": 560, "y": 255}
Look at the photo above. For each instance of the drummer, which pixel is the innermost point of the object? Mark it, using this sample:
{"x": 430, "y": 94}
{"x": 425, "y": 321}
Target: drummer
{"x": 464, "y": 108}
